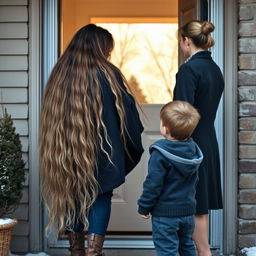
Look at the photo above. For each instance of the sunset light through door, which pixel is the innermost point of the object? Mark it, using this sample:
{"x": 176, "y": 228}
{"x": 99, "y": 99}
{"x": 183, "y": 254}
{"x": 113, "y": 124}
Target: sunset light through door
{"x": 147, "y": 54}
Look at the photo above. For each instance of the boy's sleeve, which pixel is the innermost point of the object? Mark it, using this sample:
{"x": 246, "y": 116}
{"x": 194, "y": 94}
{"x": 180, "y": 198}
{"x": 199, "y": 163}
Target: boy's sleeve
{"x": 186, "y": 84}
{"x": 153, "y": 183}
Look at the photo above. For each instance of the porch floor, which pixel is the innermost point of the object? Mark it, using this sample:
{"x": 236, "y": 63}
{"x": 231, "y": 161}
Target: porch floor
{"x": 133, "y": 252}
{"x": 123, "y": 252}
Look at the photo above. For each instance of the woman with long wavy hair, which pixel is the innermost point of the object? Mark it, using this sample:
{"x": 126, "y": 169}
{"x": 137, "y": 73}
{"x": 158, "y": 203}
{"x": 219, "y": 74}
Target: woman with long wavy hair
{"x": 90, "y": 139}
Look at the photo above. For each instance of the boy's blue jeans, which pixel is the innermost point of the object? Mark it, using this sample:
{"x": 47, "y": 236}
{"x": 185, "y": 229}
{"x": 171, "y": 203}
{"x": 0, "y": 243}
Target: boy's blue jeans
{"x": 99, "y": 215}
{"x": 173, "y": 235}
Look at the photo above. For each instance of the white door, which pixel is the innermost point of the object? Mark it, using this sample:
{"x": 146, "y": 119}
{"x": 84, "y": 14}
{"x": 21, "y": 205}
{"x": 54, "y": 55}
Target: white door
{"x": 124, "y": 216}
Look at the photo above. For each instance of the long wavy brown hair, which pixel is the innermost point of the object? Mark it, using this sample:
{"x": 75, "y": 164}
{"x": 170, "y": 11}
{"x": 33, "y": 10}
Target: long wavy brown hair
{"x": 72, "y": 130}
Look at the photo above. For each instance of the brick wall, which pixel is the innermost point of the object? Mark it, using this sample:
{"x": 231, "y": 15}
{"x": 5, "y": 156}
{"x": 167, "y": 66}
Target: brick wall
{"x": 247, "y": 123}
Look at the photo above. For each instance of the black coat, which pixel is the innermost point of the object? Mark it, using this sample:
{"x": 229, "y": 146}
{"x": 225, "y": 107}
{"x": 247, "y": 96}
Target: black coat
{"x": 200, "y": 82}
{"x": 112, "y": 175}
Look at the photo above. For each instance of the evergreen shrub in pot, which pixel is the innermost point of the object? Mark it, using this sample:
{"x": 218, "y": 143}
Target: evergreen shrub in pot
{"x": 12, "y": 177}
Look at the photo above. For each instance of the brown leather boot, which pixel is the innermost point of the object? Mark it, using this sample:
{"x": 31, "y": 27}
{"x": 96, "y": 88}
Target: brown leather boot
{"x": 76, "y": 241}
{"x": 95, "y": 244}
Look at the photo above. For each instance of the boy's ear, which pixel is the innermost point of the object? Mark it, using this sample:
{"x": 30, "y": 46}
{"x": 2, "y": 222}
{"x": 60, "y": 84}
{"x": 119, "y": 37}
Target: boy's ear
{"x": 166, "y": 130}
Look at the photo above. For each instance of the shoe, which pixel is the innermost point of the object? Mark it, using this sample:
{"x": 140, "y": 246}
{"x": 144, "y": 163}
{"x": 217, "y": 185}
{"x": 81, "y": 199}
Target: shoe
{"x": 76, "y": 241}
{"x": 95, "y": 244}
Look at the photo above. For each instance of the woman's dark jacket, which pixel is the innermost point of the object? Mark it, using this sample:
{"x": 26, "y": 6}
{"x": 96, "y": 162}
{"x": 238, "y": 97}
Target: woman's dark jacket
{"x": 112, "y": 175}
{"x": 200, "y": 82}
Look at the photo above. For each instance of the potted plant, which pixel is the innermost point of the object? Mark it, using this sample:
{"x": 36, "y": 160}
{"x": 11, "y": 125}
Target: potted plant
{"x": 12, "y": 176}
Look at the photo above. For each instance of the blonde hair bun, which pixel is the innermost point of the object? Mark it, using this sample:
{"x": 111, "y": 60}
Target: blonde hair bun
{"x": 199, "y": 32}
{"x": 207, "y": 27}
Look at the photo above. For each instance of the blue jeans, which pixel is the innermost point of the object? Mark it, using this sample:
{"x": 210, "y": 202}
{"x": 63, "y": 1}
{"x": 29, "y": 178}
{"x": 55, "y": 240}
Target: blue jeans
{"x": 173, "y": 235}
{"x": 99, "y": 215}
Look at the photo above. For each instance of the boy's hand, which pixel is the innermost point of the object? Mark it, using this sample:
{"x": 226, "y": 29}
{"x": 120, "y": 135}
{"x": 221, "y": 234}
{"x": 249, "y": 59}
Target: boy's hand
{"x": 145, "y": 216}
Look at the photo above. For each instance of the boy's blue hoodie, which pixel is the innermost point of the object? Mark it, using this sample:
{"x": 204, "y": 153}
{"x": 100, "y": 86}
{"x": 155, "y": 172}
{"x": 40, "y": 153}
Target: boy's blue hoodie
{"x": 170, "y": 186}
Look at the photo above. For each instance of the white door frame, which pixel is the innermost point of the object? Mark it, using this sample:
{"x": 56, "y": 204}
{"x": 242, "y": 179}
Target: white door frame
{"x": 216, "y": 16}
{"x": 35, "y": 209}
{"x": 230, "y": 126}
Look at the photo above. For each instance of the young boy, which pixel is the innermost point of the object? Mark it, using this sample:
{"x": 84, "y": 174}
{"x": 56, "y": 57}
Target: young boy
{"x": 169, "y": 188}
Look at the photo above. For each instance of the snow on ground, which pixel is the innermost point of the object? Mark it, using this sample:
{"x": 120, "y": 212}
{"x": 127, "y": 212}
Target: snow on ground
{"x": 4, "y": 221}
{"x": 249, "y": 251}
{"x": 31, "y": 254}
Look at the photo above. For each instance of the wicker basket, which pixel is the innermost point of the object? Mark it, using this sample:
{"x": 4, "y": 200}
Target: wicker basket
{"x": 5, "y": 237}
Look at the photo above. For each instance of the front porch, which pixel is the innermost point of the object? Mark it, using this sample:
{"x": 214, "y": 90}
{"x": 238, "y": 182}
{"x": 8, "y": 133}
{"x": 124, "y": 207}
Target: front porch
{"x": 132, "y": 252}
{"x": 122, "y": 252}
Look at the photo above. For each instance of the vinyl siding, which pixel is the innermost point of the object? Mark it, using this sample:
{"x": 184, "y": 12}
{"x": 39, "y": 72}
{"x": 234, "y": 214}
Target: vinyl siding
{"x": 14, "y": 95}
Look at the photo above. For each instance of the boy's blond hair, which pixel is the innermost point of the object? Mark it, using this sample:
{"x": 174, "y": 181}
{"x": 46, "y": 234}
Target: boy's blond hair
{"x": 180, "y": 117}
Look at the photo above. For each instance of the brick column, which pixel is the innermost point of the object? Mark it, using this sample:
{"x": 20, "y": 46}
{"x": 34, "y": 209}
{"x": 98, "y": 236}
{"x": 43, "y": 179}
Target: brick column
{"x": 247, "y": 124}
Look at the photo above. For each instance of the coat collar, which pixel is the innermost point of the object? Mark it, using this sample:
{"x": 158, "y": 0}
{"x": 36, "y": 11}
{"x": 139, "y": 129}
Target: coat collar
{"x": 202, "y": 54}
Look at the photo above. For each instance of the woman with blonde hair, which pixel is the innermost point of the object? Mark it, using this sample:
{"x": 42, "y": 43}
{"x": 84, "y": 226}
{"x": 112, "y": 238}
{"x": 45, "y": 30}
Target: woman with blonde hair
{"x": 90, "y": 139}
{"x": 199, "y": 81}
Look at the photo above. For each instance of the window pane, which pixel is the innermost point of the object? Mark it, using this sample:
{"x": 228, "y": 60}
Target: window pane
{"x": 147, "y": 54}
{"x": 146, "y": 47}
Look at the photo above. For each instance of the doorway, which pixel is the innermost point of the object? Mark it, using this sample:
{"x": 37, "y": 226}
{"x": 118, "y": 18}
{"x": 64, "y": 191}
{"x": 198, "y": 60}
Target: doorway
{"x": 129, "y": 16}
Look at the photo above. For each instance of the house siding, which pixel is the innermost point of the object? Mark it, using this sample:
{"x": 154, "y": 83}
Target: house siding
{"x": 247, "y": 124}
{"x": 14, "y": 95}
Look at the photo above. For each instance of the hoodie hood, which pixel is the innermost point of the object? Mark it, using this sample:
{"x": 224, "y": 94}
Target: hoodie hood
{"x": 186, "y": 156}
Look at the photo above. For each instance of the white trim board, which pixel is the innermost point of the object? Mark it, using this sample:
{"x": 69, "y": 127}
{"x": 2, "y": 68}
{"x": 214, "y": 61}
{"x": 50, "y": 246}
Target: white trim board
{"x": 35, "y": 211}
{"x": 230, "y": 128}
{"x": 216, "y": 16}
